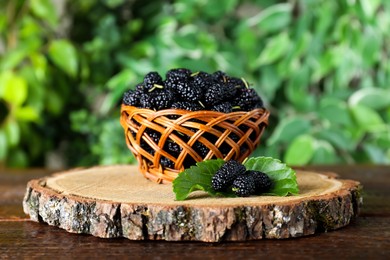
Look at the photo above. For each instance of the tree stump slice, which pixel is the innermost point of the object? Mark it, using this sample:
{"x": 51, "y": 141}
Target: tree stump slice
{"x": 117, "y": 201}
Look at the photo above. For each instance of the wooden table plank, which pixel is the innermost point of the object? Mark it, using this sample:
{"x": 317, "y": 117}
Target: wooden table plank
{"x": 368, "y": 237}
{"x": 356, "y": 241}
{"x": 12, "y": 188}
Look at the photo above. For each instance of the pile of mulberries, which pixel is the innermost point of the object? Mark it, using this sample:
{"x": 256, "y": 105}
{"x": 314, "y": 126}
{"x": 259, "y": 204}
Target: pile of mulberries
{"x": 193, "y": 91}
{"x": 232, "y": 175}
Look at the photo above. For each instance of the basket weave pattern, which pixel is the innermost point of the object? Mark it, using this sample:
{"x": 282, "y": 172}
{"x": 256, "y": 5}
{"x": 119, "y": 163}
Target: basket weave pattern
{"x": 228, "y": 136}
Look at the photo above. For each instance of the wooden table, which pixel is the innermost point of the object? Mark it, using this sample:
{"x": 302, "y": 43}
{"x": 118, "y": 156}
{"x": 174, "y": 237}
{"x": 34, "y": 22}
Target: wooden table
{"x": 367, "y": 238}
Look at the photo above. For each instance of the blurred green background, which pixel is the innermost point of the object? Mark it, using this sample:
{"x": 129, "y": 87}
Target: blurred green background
{"x": 322, "y": 68}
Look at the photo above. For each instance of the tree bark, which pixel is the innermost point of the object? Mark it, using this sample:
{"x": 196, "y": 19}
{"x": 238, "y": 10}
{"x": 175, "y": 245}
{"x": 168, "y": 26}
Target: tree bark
{"x": 117, "y": 201}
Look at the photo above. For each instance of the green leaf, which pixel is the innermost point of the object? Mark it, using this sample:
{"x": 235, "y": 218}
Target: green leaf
{"x": 374, "y": 98}
{"x": 199, "y": 177}
{"x": 39, "y": 63}
{"x": 284, "y": 177}
{"x": 3, "y": 22}
{"x": 215, "y": 10}
{"x": 324, "y": 66}
{"x": 370, "y": 47}
{"x": 12, "y": 58}
{"x": 297, "y": 89}
{"x": 288, "y": 129}
{"x": 4, "y": 77}
{"x": 382, "y": 140}
{"x": 324, "y": 153}
{"x": 45, "y": 10}
{"x": 335, "y": 112}
{"x": 302, "y": 43}
{"x": 3, "y": 145}
{"x": 121, "y": 80}
{"x": 276, "y": 48}
{"x": 13, "y": 88}
{"x": 344, "y": 72}
{"x": 118, "y": 84}
{"x": 369, "y": 7}
{"x": 142, "y": 50}
{"x": 54, "y": 102}
{"x": 300, "y": 151}
{"x": 19, "y": 159}
{"x": 376, "y": 154}
{"x": 269, "y": 81}
{"x": 246, "y": 39}
{"x": 272, "y": 19}
{"x": 113, "y": 3}
{"x": 64, "y": 55}
{"x": 12, "y": 132}
{"x": 367, "y": 119}
{"x": 196, "y": 178}
{"x": 339, "y": 138}
{"x": 186, "y": 38}
{"x": 26, "y": 114}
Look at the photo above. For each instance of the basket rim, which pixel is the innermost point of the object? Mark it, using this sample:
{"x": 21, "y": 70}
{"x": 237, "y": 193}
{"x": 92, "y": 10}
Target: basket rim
{"x": 183, "y": 111}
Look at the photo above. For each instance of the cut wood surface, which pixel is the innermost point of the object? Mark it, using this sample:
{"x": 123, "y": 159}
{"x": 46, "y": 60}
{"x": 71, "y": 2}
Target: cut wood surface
{"x": 117, "y": 201}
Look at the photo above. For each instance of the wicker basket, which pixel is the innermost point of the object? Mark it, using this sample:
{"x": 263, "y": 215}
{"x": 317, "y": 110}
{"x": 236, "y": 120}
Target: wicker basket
{"x": 228, "y": 136}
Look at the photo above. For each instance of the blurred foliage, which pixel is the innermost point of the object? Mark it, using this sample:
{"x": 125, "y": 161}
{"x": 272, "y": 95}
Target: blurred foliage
{"x": 322, "y": 68}
{"x": 38, "y": 83}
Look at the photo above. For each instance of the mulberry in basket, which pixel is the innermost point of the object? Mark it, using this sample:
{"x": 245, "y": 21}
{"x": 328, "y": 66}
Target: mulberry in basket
{"x": 167, "y": 141}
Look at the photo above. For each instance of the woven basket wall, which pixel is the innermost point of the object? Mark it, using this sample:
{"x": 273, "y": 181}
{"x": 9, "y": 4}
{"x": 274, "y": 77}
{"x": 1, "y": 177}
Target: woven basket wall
{"x": 200, "y": 135}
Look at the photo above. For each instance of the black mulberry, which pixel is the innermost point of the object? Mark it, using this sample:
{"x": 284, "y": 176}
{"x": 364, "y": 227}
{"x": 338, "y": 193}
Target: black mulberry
{"x": 225, "y": 107}
{"x": 229, "y": 90}
{"x": 173, "y": 148}
{"x": 167, "y": 163}
{"x": 225, "y": 175}
{"x": 154, "y": 136}
{"x": 178, "y": 74}
{"x": 213, "y": 94}
{"x": 262, "y": 181}
{"x": 185, "y": 89}
{"x": 220, "y": 76}
{"x": 145, "y": 99}
{"x": 130, "y": 98}
{"x": 226, "y": 147}
{"x": 160, "y": 99}
{"x": 201, "y": 149}
{"x": 247, "y": 100}
{"x": 151, "y": 79}
{"x": 203, "y": 80}
{"x": 244, "y": 185}
{"x": 237, "y": 83}
{"x": 185, "y": 105}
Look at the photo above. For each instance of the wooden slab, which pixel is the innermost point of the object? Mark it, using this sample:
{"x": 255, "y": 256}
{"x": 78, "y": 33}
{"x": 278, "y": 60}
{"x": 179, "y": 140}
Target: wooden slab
{"x": 117, "y": 201}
